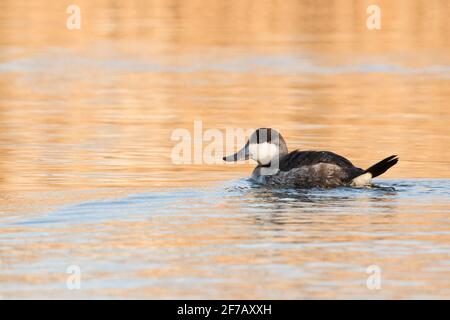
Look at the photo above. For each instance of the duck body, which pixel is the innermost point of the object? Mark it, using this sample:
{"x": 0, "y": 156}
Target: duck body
{"x": 303, "y": 169}
{"x": 309, "y": 169}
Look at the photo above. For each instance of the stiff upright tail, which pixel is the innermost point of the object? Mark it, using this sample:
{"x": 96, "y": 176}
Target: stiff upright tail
{"x": 381, "y": 167}
{"x": 374, "y": 171}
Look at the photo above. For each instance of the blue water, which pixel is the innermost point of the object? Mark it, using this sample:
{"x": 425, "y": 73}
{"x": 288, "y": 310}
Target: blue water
{"x": 213, "y": 242}
{"x": 57, "y": 61}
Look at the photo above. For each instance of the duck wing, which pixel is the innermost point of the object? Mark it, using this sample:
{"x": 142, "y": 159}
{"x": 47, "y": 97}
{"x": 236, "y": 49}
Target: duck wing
{"x": 296, "y": 159}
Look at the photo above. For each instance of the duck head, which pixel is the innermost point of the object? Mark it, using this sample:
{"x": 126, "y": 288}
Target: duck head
{"x": 264, "y": 146}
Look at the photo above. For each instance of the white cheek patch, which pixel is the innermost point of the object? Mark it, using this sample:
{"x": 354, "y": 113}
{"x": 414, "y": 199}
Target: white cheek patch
{"x": 263, "y": 152}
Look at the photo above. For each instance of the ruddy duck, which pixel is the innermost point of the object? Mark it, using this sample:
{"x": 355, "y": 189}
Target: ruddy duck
{"x": 303, "y": 169}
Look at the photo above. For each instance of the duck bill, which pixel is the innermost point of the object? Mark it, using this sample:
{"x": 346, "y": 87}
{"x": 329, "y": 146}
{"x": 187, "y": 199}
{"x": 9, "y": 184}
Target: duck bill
{"x": 242, "y": 154}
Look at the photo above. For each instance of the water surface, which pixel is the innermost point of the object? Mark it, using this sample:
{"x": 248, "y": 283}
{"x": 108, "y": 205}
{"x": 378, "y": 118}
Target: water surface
{"x": 86, "y": 178}
{"x": 238, "y": 240}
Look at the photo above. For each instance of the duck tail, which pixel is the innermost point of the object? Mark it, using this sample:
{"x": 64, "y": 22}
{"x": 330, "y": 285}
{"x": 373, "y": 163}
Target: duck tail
{"x": 374, "y": 171}
{"x": 381, "y": 167}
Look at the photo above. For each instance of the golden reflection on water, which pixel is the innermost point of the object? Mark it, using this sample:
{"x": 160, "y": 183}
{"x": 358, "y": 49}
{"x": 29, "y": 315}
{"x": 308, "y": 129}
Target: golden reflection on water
{"x": 88, "y": 114}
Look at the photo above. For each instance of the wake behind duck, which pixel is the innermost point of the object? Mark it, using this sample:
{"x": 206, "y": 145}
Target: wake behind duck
{"x": 303, "y": 169}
